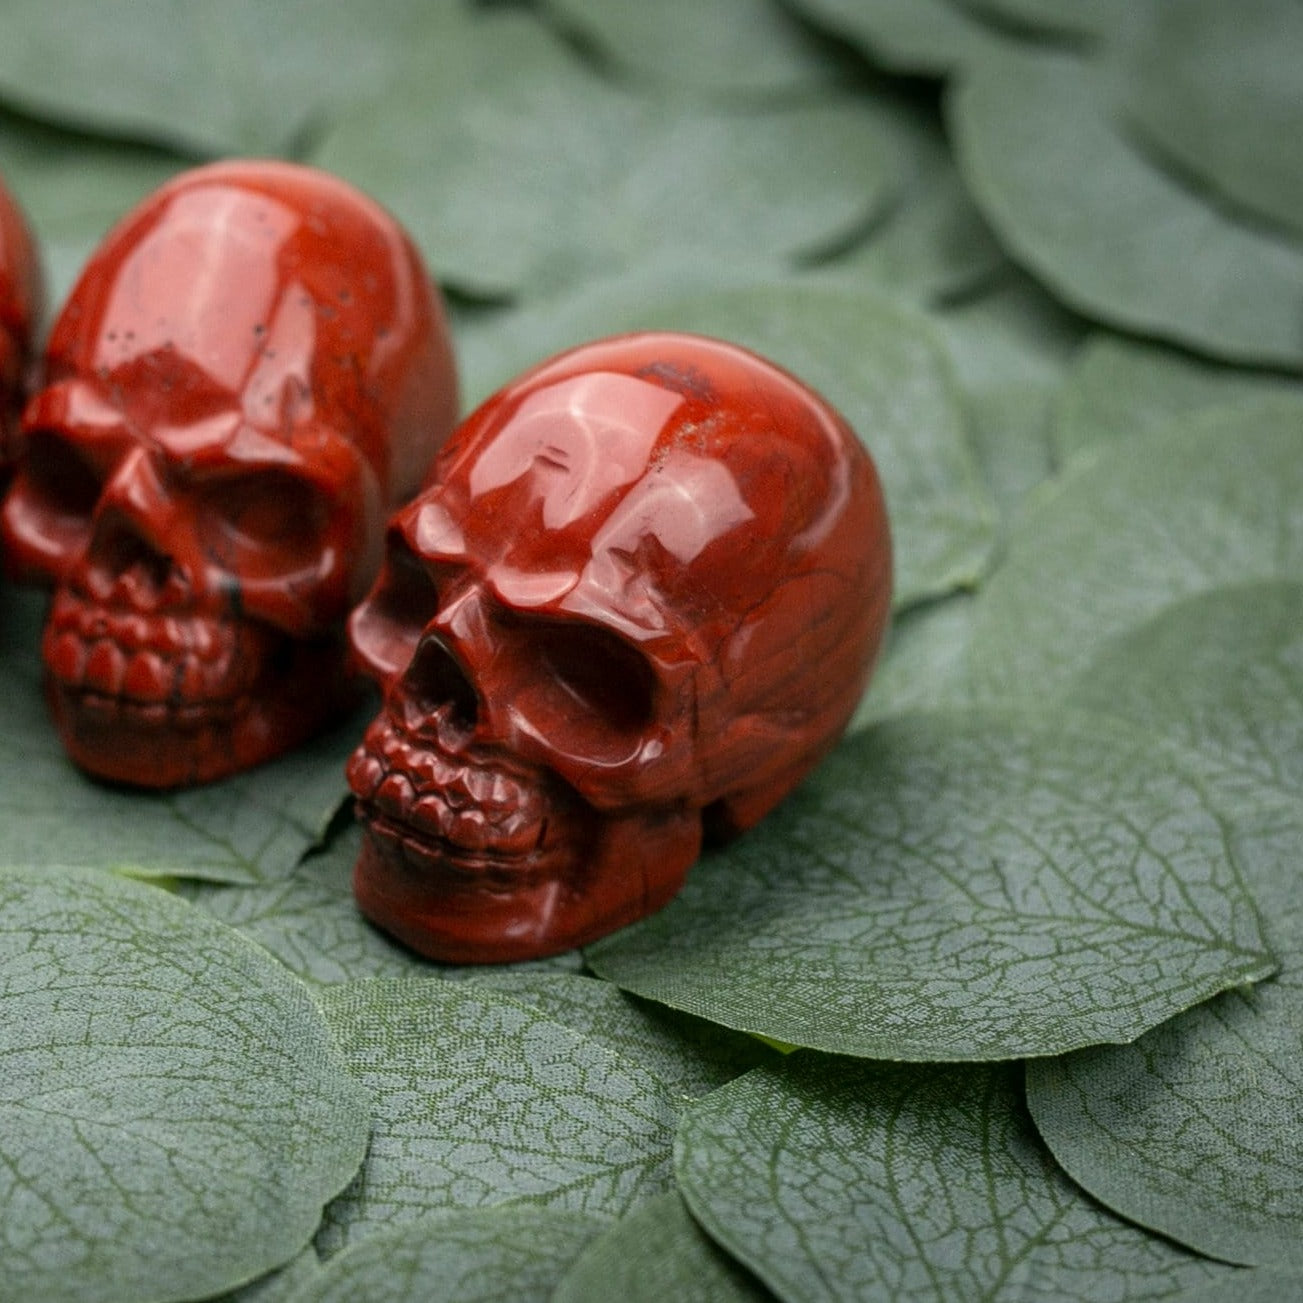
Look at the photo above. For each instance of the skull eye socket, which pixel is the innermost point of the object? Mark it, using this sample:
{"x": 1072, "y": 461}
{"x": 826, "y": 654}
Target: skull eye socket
{"x": 269, "y": 521}
{"x": 600, "y": 681}
{"x": 386, "y": 629}
{"x": 61, "y": 488}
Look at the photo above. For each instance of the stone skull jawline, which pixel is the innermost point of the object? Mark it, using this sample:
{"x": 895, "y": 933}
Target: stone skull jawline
{"x": 252, "y": 371}
{"x": 636, "y": 602}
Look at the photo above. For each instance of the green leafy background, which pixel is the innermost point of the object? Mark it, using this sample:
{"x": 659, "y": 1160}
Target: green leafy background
{"x": 1005, "y": 1001}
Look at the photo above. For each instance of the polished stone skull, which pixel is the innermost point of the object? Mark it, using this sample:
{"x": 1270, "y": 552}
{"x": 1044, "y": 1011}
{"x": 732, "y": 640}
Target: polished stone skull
{"x": 637, "y": 601}
{"x": 251, "y": 373}
{"x": 21, "y": 300}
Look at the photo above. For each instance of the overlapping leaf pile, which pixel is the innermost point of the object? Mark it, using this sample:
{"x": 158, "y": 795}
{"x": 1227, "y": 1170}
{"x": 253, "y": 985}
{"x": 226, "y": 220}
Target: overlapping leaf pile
{"x": 1007, "y": 1000}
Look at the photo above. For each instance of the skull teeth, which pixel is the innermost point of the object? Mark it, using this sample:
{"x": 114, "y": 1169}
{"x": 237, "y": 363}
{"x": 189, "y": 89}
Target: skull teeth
{"x": 142, "y": 660}
{"x": 475, "y": 808}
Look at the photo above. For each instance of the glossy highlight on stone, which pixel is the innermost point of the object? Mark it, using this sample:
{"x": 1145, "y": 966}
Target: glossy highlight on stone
{"x": 636, "y": 602}
{"x": 21, "y": 302}
{"x": 253, "y": 370}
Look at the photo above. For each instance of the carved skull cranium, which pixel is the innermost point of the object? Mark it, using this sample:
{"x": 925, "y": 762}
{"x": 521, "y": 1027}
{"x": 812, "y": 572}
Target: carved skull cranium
{"x": 637, "y": 601}
{"x": 251, "y": 372}
{"x": 21, "y": 299}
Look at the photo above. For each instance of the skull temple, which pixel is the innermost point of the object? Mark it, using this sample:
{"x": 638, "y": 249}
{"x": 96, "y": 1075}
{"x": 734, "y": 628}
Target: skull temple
{"x": 21, "y": 299}
{"x": 637, "y": 600}
{"x": 251, "y": 372}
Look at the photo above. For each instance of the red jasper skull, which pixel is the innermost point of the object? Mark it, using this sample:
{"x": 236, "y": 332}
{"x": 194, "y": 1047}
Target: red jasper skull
{"x": 252, "y": 371}
{"x": 638, "y": 599}
{"x": 21, "y": 298}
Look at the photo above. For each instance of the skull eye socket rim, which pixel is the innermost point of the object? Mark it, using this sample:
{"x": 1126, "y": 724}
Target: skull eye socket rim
{"x": 599, "y": 680}
{"x": 266, "y": 522}
{"x": 386, "y": 629}
{"x": 58, "y": 480}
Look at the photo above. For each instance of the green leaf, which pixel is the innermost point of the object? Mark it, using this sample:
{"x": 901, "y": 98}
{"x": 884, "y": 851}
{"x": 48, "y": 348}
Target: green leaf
{"x": 686, "y": 1054}
{"x": 174, "y": 1113}
{"x": 1012, "y": 347}
{"x": 879, "y": 362}
{"x": 481, "y": 1255}
{"x": 1197, "y": 1129}
{"x": 239, "y": 77}
{"x": 1077, "y": 204}
{"x": 253, "y": 827}
{"x": 1120, "y": 389}
{"x": 73, "y": 188}
{"x": 1194, "y": 1130}
{"x": 548, "y": 174}
{"x": 1011, "y": 334}
{"x": 726, "y": 48}
{"x": 1054, "y": 18}
{"x": 480, "y": 1101}
{"x": 1219, "y": 89}
{"x": 973, "y": 885}
{"x": 281, "y": 1285}
{"x": 909, "y": 36}
{"x": 933, "y": 245}
{"x": 1221, "y": 674}
{"x": 655, "y": 1253}
{"x": 924, "y": 665}
{"x": 839, "y": 1180}
{"x": 1208, "y": 501}
{"x": 1248, "y": 1287}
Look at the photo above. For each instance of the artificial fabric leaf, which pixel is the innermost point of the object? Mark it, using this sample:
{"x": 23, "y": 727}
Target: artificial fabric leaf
{"x": 1212, "y": 500}
{"x": 1196, "y": 1130}
{"x": 1099, "y": 223}
{"x": 687, "y": 1055}
{"x": 279, "y": 1286}
{"x": 879, "y": 362}
{"x": 481, "y": 1255}
{"x": 929, "y": 37}
{"x": 253, "y": 827}
{"x": 1010, "y": 334}
{"x": 1120, "y": 389}
{"x": 1012, "y": 347}
{"x": 1011, "y": 434}
{"x": 839, "y": 1180}
{"x": 1054, "y": 18}
{"x": 309, "y": 920}
{"x": 239, "y": 77}
{"x": 479, "y": 1100}
{"x": 723, "y": 48}
{"x": 966, "y": 885}
{"x": 518, "y": 169}
{"x": 173, "y": 1112}
{"x": 933, "y": 245}
{"x": 1221, "y": 674}
{"x": 1248, "y": 1287}
{"x": 73, "y": 188}
{"x": 924, "y": 665}
{"x": 1219, "y": 88}
{"x": 656, "y": 1253}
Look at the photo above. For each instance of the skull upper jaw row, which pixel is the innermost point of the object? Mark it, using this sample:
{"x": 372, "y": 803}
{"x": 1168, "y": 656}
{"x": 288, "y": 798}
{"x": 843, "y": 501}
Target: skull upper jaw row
{"x": 140, "y": 726}
{"x": 252, "y": 370}
{"x": 653, "y": 575}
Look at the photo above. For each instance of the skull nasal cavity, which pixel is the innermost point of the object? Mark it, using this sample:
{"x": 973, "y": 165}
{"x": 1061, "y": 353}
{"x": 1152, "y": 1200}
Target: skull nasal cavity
{"x": 121, "y": 553}
{"x": 434, "y": 681}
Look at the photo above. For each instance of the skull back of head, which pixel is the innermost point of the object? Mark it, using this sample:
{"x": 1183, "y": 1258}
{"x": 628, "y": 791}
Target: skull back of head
{"x": 637, "y": 601}
{"x": 21, "y": 300}
{"x": 251, "y": 372}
